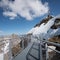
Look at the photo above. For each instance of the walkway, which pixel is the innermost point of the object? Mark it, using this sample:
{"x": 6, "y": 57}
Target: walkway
{"x": 22, "y": 55}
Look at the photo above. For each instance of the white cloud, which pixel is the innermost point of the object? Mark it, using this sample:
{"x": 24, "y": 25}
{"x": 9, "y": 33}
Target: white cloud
{"x": 12, "y": 15}
{"x": 11, "y": 18}
{"x": 28, "y": 9}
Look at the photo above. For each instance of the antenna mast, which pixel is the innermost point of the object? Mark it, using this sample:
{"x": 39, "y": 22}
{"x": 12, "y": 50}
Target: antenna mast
{"x": 49, "y": 12}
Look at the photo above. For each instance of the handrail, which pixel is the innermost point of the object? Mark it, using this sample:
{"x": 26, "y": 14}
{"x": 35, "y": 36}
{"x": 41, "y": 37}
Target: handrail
{"x": 53, "y": 43}
{"x": 54, "y": 50}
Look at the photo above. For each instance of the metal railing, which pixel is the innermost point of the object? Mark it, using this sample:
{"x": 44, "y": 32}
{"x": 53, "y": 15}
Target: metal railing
{"x": 41, "y": 42}
{"x": 13, "y": 49}
{"x": 47, "y": 43}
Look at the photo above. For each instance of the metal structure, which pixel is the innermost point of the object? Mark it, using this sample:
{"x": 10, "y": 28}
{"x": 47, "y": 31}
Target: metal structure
{"x": 43, "y": 54}
{"x": 38, "y": 50}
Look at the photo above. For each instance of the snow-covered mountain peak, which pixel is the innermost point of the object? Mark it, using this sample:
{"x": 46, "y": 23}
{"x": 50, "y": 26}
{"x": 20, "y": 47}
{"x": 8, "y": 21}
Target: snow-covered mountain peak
{"x": 49, "y": 27}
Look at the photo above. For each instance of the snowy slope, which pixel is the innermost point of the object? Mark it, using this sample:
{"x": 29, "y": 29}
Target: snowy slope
{"x": 33, "y": 29}
{"x": 45, "y": 29}
{"x": 52, "y": 32}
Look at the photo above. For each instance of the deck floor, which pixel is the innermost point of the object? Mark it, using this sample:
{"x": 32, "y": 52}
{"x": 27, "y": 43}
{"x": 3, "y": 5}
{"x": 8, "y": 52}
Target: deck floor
{"x": 22, "y": 55}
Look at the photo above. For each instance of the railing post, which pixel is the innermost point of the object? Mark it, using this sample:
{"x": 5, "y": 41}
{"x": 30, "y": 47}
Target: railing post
{"x": 41, "y": 51}
{"x": 46, "y": 51}
{"x": 23, "y": 44}
{"x": 10, "y": 50}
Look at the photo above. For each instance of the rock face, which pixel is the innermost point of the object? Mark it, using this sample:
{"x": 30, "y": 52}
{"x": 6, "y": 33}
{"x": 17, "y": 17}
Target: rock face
{"x": 15, "y": 39}
{"x": 16, "y": 49}
{"x": 44, "y": 20}
{"x": 55, "y": 39}
{"x": 56, "y": 24}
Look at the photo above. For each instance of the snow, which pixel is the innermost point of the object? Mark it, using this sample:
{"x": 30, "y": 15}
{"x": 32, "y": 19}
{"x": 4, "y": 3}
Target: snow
{"x": 45, "y": 30}
{"x": 39, "y": 30}
{"x": 51, "y": 33}
{"x": 58, "y": 32}
{"x": 52, "y": 47}
{"x": 1, "y": 56}
{"x": 32, "y": 30}
{"x": 6, "y": 47}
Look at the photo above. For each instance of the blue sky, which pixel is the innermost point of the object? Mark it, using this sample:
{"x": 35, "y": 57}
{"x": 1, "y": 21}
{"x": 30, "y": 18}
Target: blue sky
{"x": 54, "y": 6}
{"x": 21, "y": 25}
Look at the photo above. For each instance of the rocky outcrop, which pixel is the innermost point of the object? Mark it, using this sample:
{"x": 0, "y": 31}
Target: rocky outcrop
{"x": 55, "y": 39}
{"x": 45, "y": 20}
{"x": 56, "y": 24}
